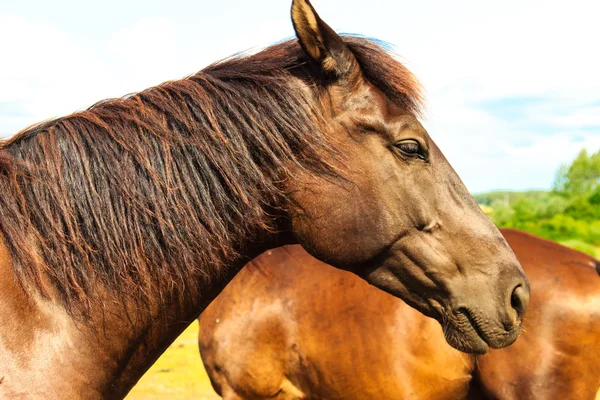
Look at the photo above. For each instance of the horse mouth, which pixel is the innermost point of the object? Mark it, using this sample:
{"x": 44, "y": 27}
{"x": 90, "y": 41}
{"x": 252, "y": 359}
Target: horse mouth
{"x": 461, "y": 330}
{"x": 467, "y": 335}
{"x": 474, "y": 327}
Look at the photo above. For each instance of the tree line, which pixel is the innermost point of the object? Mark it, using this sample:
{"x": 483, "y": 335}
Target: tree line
{"x": 569, "y": 213}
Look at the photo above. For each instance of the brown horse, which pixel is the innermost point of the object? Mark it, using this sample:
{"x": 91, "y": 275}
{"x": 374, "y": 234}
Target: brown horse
{"x": 290, "y": 327}
{"x": 121, "y": 223}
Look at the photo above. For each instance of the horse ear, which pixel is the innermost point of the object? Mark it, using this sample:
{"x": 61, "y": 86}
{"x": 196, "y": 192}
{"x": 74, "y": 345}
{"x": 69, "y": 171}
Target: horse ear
{"x": 325, "y": 47}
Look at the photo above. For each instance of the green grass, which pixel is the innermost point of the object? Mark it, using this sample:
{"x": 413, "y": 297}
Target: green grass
{"x": 178, "y": 374}
{"x": 582, "y": 246}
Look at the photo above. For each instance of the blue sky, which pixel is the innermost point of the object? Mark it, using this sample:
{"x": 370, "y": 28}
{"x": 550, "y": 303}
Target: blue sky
{"x": 513, "y": 87}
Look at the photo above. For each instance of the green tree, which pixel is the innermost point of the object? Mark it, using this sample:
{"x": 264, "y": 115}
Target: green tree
{"x": 581, "y": 177}
{"x": 570, "y": 213}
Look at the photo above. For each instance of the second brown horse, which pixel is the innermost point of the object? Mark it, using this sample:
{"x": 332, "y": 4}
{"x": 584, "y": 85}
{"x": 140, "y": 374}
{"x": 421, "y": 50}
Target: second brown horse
{"x": 290, "y": 327}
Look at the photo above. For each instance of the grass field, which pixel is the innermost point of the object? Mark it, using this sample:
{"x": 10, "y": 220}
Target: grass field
{"x": 178, "y": 374}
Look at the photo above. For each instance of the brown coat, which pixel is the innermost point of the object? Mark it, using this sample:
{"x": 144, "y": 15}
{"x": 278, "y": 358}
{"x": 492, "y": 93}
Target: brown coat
{"x": 290, "y": 327}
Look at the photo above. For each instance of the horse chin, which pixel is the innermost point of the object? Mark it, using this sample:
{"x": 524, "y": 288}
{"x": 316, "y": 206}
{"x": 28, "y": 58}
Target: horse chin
{"x": 467, "y": 340}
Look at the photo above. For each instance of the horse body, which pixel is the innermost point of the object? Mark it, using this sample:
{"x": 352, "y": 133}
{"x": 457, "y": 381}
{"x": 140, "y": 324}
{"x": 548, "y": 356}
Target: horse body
{"x": 558, "y": 355}
{"x": 121, "y": 223}
{"x": 313, "y": 332}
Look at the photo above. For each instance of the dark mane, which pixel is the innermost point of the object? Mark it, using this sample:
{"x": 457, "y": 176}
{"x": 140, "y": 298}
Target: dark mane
{"x": 141, "y": 193}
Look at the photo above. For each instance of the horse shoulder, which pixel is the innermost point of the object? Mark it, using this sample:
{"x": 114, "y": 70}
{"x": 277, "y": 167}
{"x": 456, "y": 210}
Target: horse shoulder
{"x": 245, "y": 347}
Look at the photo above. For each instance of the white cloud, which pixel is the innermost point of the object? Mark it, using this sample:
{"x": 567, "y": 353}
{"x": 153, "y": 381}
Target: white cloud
{"x": 51, "y": 74}
{"x": 585, "y": 116}
{"x": 44, "y": 72}
{"x": 489, "y": 152}
{"x": 145, "y": 54}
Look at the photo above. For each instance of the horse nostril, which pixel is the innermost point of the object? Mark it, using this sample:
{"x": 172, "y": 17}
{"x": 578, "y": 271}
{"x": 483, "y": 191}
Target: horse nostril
{"x": 515, "y": 301}
{"x": 519, "y": 300}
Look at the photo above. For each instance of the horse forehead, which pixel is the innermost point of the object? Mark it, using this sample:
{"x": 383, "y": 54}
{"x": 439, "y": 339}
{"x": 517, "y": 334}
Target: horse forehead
{"x": 359, "y": 97}
{"x": 368, "y": 100}
{"x": 365, "y": 103}
{"x": 374, "y": 105}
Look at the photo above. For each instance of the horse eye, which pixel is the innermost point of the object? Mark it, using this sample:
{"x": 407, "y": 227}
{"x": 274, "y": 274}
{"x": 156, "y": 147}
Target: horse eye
{"x": 409, "y": 147}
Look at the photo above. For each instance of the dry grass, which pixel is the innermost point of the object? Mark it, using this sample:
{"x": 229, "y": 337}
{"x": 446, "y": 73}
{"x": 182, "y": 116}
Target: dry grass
{"x": 178, "y": 374}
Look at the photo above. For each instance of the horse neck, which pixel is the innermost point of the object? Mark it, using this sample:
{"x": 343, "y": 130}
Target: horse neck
{"x": 100, "y": 356}
{"x": 158, "y": 330}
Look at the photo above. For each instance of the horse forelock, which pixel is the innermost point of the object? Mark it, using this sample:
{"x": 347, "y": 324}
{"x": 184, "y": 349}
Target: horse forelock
{"x": 150, "y": 191}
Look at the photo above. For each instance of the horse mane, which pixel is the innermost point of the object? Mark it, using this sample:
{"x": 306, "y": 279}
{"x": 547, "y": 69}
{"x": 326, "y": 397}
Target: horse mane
{"x": 148, "y": 192}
